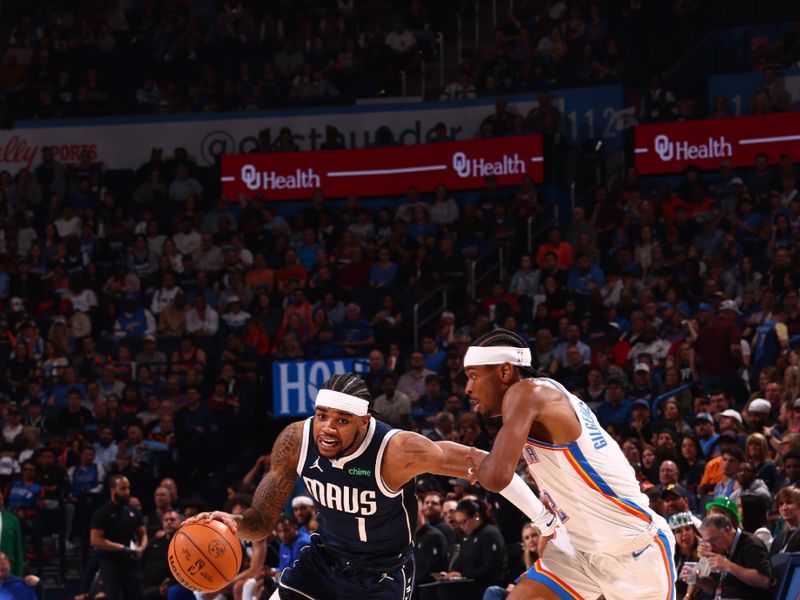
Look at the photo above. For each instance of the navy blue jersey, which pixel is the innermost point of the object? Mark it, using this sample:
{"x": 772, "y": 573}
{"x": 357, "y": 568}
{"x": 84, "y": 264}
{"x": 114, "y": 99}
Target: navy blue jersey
{"x": 359, "y": 516}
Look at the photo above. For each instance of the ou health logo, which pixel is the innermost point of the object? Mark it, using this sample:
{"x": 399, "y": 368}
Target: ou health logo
{"x": 664, "y": 147}
{"x": 461, "y": 164}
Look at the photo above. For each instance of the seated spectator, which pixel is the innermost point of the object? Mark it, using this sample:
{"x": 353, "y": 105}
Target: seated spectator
{"x": 202, "y": 320}
{"x": 156, "y": 576}
{"x": 732, "y": 458}
{"x": 426, "y": 406}
{"x": 184, "y": 186}
{"x": 482, "y": 555}
{"x": 134, "y": 321}
{"x": 616, "y": 408}
{"x": 574, "y": 375}
{"x": 12, "y": 586}
{"x": 393, "y": 406}
{"x": 787, "y": 503}
{"x": 746, "y": 569}
{"x": 790, "y": 475}
{"x": 234, "y": 317}
{"x": 572, "y": 339}
{"x": 354, "y": 333}
{"x": 684, "y": 527}
{"x": 188, "y": 357}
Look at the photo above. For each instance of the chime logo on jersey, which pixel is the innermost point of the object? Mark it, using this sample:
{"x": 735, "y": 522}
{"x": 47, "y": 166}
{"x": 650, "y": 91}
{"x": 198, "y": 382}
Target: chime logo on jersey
{"x": 360, "y": 472}
{"x": 343, "y": 498}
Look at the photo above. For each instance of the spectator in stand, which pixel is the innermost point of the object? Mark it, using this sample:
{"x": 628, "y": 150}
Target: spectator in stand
{"x": 787, "y": 503}
{"x": 412, "y": 382}
{"x": 184, "y": 186}
{"x": 616, "y": 408}
{"x": 393, "y": 406}
{"x": 11, "y": 539}
{"x": 156, "y": 576}
{"x": 744, "y": 568}
{"x": 554, "y": 244}
{"x": 202, "y": 320}
{"x": 719, "y": 350}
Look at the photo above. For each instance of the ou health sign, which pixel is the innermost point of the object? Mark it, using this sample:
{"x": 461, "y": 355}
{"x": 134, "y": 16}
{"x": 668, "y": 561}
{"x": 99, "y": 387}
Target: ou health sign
{"x": 671, "y": 147}
{"x": 295, "y": 383}
{"x": 382, "y": 171}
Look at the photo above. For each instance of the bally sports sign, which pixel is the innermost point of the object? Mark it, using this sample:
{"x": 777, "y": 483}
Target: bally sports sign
{"x": 382, "y": 171}
{"x": 671, "y": 147}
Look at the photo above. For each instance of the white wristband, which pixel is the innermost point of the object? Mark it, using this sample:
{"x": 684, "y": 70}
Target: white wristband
{"x": 520, "y": 495}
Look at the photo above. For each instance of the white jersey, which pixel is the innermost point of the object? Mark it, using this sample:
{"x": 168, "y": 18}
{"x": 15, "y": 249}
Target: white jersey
{"x": 590, "y": 484}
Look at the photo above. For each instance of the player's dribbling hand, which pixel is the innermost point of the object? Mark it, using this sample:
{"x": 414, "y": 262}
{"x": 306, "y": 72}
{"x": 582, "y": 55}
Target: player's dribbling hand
{"x": 226, "y": 519}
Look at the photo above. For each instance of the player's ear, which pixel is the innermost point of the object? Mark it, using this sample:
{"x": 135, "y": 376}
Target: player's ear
{"x": 506, "y": 372}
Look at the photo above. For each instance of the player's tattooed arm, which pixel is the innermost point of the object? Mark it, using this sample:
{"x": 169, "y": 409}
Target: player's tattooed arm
{"x": 276, "y": 487}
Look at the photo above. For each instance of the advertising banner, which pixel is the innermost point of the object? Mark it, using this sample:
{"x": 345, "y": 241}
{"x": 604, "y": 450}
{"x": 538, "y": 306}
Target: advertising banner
{"x": 382, "y": 171}
{"x": 671, "y": 147}
{"x": 126, "y": 142}
{"x": 295, "y": 383}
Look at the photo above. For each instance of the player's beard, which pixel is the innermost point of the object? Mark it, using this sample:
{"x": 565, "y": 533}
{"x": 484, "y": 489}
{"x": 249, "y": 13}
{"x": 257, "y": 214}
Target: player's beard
{"x": 344, "y": 451}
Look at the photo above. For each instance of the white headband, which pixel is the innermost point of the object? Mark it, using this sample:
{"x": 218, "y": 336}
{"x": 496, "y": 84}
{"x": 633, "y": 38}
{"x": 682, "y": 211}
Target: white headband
{"x": 343, "y": 402}
{"x": 478, "y": 356}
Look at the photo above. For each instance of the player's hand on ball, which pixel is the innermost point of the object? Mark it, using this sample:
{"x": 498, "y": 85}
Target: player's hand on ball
{"x": 226, "y": 519}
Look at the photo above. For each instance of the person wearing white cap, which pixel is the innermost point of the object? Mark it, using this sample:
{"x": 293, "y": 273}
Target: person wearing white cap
{"x": 619, "y": 548}
{"x": 304, "y": 513}
{"x": 360, "y": 473}
{"x": 757, "y": 414}
{"x": 235, "y": 317}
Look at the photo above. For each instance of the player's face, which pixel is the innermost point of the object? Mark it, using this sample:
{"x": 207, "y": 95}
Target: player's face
{"x": 336, "y": 431}
{"x": 485, "y": 389}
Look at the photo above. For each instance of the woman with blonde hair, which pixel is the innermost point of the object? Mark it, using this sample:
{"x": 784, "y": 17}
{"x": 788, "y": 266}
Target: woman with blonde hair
{"x": 758, "y": 454}
{"x": 517, "y": 563}
{"x": 791, "y": 383}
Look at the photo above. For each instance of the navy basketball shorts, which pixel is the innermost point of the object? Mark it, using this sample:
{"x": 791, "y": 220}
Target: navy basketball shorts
{"x": 318, "y": 575}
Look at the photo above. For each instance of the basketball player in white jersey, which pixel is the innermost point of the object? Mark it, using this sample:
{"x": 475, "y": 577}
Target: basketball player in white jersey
{"x": 619, "y": 548}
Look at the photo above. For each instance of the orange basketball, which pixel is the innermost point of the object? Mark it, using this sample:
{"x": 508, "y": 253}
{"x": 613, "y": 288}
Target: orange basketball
{"x": 204, "y": 557}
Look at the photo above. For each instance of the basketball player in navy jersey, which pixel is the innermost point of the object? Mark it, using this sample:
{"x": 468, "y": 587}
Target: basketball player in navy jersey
{"x": 617, "y": 547}
{"x": 361, "y": 473}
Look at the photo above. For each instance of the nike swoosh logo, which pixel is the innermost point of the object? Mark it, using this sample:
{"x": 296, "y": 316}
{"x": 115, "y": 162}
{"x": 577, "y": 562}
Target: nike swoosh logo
{"x": 640, "y": 552}
{"x": 551, "y": 521}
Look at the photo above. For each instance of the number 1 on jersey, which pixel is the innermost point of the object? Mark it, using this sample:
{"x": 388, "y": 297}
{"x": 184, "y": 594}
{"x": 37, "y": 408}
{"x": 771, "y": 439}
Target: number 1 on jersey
{"x": 362, "y": 529}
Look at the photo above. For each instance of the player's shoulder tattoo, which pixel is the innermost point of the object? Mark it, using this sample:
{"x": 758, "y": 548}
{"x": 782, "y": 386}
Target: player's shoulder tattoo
{"x": 287, "y": 445}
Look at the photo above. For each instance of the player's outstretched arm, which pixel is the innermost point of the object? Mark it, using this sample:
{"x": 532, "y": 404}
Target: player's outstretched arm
{"x": 410, "y": 454}
{"x": 258, "y": 521}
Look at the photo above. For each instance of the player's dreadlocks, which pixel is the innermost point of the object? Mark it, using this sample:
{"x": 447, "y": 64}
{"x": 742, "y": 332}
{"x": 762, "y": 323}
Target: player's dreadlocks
{"x": 350, "y": 384}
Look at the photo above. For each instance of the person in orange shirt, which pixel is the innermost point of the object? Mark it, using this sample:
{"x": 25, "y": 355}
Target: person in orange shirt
{"x": 260, "y": 276}
{"x": 713, "y": 472}
{"x": 554, "y": 244}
